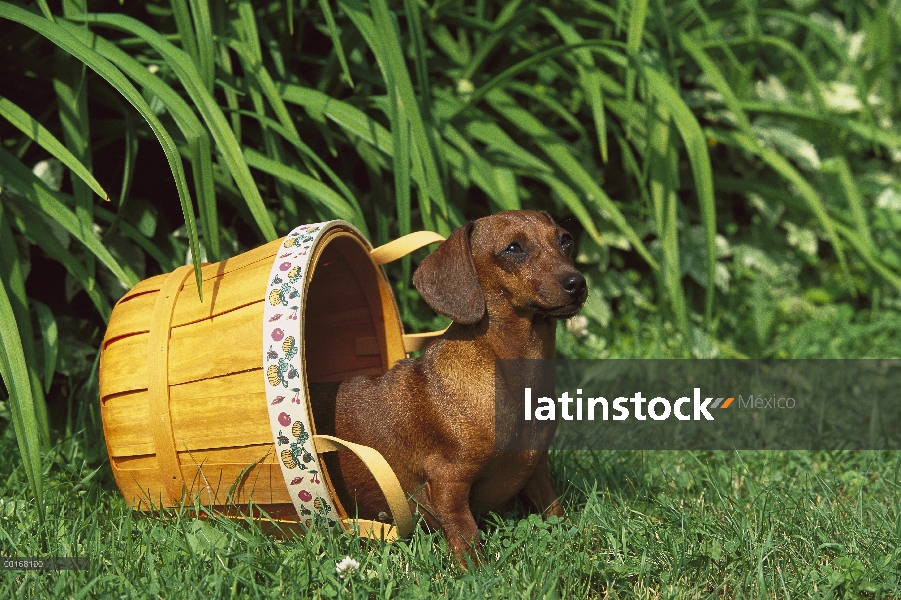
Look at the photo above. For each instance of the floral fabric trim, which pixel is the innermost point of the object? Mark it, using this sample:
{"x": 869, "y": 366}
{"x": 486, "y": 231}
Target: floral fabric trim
{"x": 285, "y": 373}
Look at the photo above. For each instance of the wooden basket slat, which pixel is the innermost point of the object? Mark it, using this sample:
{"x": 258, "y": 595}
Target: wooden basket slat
{"x": 221, "y": 294}
{"x": 262, "y": 483}
{"x": 153, "y": 284}
{"x": 222, "y": 344}
{"x": 123, "y": 366}
{"x": 192, "y": 351}
{"x": 126, "y": 424}
{"x": 195, "y": 407}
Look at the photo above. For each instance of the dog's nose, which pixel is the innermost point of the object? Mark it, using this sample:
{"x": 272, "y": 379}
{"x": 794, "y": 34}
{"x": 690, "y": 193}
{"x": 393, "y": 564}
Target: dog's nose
{"x": 575, "y": 285}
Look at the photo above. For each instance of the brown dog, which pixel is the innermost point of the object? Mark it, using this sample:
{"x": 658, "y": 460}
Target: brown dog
{"x": 503, "y": 280}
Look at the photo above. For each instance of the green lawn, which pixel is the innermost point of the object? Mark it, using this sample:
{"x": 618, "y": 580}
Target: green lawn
{"x": 637, "y": 524}
{"x": 775, "y": 524}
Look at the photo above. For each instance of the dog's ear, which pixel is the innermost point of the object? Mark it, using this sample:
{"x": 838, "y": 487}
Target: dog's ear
{"x": 447, "y": 279}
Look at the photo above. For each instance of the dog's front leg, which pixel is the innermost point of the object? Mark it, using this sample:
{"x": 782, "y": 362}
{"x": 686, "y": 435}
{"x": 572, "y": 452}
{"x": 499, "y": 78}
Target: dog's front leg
{"x": 449, "y": 499}
{"x": 539, "y": 490}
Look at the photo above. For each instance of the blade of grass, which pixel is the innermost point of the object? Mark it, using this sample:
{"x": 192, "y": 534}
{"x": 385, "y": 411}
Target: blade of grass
{"x": 21, "y": 402}
{"x": 571, "y": 200}
{"x": 182, "y": 15}
{"x": 638, "y": 10}
{"x": 114, "y": 77}
{"x": 589, "y": 76}
{"x": 206, "y": 105}
{"x": 381, "y": 34}
{"x": 784, "y": 168}
{"x": 699, "y": 157}
{"x": 305, "y": 150}
{"x": 165, "y": 262}
{"x": 559, "y": 152}
{"x": 867, "y": 251}
{"x": 49, "y": 341}
{"x": 11, "y": 273}
{"x": 223, "y": 59}
{"x": 41, "y": 197}
{"x": 601, "y": 46}
{"x": 509, "y": 16}
{"x": 555, "y": 106}
{"x": 717, "y": 80}
{"x": 802, "y": 61}
{"x": 855, "y": 202}
{"x": 336, "y": 40}
{"x": 835, "y": 47}
{"x": 203, "y": 26}
{"x": 250, "y": 57}
{"x": 884, "y": 137}
{"x": 128, "y": 168}
{"x": 46, "y": 140}
{"x": 329, "y": 202}
{"x": 468, "y": 164}
{"x": 351, "y": 119}
{"x": 663, "y": 173}
{"x": 70, "y": 83}
{"x": 196, "y": 136}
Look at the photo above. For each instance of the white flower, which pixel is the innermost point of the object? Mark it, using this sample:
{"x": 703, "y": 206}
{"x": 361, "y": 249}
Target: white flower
{"x": 346, "y": 567}
{"x": 578, "y": 325}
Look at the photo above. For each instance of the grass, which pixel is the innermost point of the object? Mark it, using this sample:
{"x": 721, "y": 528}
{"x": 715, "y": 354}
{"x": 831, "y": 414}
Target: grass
{"x": 663, "y": 524}
{"x": 636, "y": 524}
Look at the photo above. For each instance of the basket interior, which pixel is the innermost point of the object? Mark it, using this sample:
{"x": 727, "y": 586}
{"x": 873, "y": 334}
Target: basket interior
{"x": 351, "y": 327}
{"x": 344, "y": 324}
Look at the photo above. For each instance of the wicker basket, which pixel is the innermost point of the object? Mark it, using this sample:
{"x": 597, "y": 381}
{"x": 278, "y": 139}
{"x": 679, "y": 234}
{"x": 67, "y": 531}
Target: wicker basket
{"x": 210, "y": 400}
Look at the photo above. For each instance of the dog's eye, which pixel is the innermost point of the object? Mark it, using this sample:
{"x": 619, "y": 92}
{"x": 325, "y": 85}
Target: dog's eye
{"x": 566, "y": 242}
{"x": 514, "y": 248}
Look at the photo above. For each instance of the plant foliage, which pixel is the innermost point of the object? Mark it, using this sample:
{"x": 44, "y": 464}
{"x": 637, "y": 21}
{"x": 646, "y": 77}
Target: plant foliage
{"x": 730, "y": 167}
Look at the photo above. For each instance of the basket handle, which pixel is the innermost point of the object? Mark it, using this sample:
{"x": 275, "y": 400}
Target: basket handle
{"x": 158, "y": 381}
{"x": 399, "y": 248}
{"x": 403, "y": 246}
{"x": 387, "y": 480}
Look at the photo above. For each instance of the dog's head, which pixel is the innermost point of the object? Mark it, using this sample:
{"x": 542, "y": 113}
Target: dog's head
{"x": 520, "y": 260}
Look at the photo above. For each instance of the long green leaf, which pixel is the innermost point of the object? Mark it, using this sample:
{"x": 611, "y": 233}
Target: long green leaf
{"x": 196, "y": 135}
{"x": 206, "y": 105}
{"x": 589, "y": 76}
{"x": 21, "y": 402}
{"x": 336, "y": 40}
{"x": 325, "y": 198}
{"x": 11, "y": 273}
{"x": 351, "y": 119}
{"x": 781, "y": 165}
{"x": 313, "y": 156}
{"x": 717, "y": 80}
{"x": 559, "y": 152}
{"x": 638, "y": 10}
{"x": 833, "y": 44}
{"x": 102, "y": 67}
{"x": 49, "y": 341}
{"x": 33, "y": 226}
{"x": 884, "y": 137}
{"x": 663, "y": 171}
{"x": 46, "y": 140}
{"x": 603, "y": 47}
{"x": 203, "y": 25}
{"x": 36, "y": 192}
{"x": 381, "y": 33}
{"x": 699, "y": 158}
